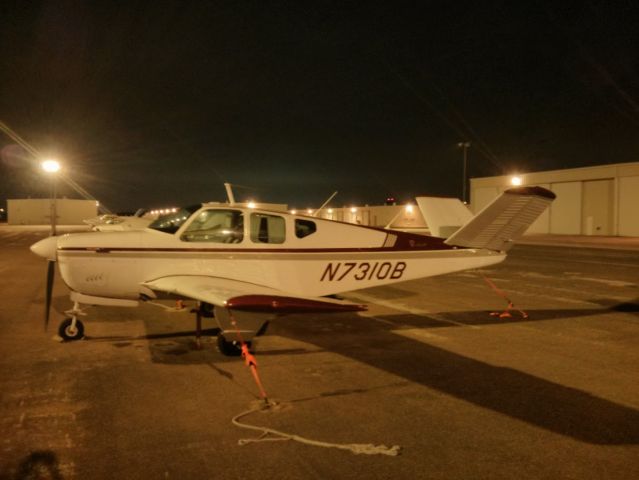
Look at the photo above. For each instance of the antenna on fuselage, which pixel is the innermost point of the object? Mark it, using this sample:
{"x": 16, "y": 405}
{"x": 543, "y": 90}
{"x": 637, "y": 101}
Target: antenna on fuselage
{"x": 324, "y": 204}
{"x": 229, "y": 193}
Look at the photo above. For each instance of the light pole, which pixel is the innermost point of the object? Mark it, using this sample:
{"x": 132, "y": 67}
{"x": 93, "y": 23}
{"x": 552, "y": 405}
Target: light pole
{"x": 52, "y": 167}
{"x": 464, "y": 146}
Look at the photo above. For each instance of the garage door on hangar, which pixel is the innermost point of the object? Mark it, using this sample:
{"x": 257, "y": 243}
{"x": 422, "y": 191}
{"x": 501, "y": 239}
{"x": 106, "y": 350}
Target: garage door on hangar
{"x": 582, "y": 208}
{"x": 565, "y": 211}
{"x": 597, "y": 217}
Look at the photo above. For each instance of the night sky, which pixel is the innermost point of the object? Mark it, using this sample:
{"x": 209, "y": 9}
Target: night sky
{"x": 152, "y": 104}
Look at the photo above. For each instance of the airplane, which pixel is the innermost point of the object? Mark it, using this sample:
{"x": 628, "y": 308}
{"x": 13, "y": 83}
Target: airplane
{"x": 109, "y": 222}
{"x": 246, "y": 266}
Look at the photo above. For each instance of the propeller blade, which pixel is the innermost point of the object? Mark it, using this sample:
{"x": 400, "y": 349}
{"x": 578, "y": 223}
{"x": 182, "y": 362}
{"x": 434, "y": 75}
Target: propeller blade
{"x": 50, "y": 276}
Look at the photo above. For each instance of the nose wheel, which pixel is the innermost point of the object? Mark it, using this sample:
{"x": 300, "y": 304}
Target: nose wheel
{"x": 71, "y": 329}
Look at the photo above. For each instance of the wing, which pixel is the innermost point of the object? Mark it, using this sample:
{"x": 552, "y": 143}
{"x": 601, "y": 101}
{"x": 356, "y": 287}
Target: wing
{"x": 504, "y": 220}
{"x": 237, "y": 295}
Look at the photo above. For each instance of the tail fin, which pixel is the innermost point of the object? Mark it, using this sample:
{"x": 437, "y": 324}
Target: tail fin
{"x": 504, "y": 220}
{"x": 444, "y": 216}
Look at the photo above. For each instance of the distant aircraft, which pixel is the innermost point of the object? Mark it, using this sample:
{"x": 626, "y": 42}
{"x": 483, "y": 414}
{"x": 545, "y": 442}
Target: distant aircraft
{"x": 110, "y": 222}
{"x": 245, "y": 266}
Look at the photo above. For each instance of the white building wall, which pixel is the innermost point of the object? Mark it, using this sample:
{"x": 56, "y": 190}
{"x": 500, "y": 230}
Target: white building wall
{"x": 37, "y": 211}
{"x": 601, "y": 200}
{"x": 482, "y": 196}
{"x": 629, "y": 206}
{"x": 398, "y": 216}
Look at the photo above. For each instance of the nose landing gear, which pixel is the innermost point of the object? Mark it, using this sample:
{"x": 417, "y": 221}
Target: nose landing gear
{"x": 71, "y": 328}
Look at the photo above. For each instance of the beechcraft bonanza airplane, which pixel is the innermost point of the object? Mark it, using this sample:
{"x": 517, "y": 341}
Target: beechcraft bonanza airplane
{"x": 246, "y": 265}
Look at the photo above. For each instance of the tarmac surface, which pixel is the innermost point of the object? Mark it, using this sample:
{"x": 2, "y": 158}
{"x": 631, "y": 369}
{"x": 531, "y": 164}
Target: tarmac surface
{"x": 466, "y": 395}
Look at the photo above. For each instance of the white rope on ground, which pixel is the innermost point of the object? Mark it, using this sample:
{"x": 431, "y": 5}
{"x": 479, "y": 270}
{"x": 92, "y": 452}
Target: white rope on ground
{"x": 356, "y": 448}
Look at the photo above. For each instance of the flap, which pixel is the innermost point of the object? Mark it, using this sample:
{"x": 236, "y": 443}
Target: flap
{"x": 226, "y": 293}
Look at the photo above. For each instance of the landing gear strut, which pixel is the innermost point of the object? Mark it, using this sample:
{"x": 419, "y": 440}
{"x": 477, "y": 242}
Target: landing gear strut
{"x": 71, "y": 328}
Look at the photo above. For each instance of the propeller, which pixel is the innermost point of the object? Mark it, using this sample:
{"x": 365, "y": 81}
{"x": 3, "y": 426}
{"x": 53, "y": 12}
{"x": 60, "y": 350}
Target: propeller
{"x": 50, "y": 277}
{"x": 46, "y": 248}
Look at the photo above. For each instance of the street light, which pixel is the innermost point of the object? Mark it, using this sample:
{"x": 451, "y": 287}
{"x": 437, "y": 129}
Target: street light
{"x": 516, "y": 180}
{"x": 52, "y": 167}
{"x": 465, "y": 146}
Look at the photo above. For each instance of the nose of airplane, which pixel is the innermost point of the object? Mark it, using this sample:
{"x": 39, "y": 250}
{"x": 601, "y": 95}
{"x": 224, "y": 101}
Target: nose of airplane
{"x": 46, "y": 248}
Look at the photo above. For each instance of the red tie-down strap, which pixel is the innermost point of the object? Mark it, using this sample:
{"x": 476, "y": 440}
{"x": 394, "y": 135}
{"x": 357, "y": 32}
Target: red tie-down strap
{"x": 249, "y": 358}
{"x": 506, "y": 313}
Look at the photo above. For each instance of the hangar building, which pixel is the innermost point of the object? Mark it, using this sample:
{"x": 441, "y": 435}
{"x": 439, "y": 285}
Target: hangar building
{"x": 600, "y": 200}
{"x": 37, "y": 211}
{"x": 402, "y": 217}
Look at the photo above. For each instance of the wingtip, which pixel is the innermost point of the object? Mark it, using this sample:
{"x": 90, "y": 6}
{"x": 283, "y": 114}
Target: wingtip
{"x": 538, "y": 191}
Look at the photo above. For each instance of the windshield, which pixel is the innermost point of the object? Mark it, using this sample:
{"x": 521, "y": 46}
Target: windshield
{"x": 171, "y": 223}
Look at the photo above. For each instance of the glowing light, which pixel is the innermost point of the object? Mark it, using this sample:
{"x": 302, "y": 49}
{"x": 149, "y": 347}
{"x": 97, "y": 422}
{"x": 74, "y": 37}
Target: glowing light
{"x": 251, "y": 204}
{"x": 330, "y": 210}
{"x": 294, "y": 212}
{"x": 516, "y": 180}
{"x": 409, "y": 208}
{"x": 97, "y": 204}
{"x": 309, "y": 211}
{"x": 353, "y": 210}
{"x": 50, "y": 166}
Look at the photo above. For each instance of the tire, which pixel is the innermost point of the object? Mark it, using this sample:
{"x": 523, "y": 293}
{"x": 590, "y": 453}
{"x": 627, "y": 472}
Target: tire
{"x": 230, "y": 348}
{"x": 64, "y": 330}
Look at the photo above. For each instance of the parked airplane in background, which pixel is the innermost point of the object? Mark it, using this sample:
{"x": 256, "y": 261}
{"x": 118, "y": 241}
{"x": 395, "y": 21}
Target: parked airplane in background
{"x": 247, "y": 265}
{"x": 118, "y": 223}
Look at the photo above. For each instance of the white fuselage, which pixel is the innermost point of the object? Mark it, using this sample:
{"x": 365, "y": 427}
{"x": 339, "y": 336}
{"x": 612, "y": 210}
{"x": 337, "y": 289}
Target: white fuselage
{"x": 334, "y": 258}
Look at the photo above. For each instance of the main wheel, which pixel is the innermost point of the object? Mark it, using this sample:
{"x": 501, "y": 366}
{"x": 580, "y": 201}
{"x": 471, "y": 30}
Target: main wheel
{"x": 68, "y": 333}
{"x": 231, "y": 348}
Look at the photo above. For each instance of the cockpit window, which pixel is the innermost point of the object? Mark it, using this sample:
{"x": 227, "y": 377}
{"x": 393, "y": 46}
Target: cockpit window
{"x": 217, "y": 226}
{"x": 171, "y": 223}
{"x": 304, "y": 228}
{"x": 267, "y": 228}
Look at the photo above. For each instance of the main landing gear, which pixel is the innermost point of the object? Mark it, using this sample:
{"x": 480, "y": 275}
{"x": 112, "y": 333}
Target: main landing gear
{"x": 228, "y": 339}
{"x": 231, "y": 348}
{"x": 71, "y": 328}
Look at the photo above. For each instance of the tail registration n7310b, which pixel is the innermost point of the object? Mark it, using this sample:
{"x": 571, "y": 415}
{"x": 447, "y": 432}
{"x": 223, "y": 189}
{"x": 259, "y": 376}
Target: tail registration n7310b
{"x": 338, "y": 271}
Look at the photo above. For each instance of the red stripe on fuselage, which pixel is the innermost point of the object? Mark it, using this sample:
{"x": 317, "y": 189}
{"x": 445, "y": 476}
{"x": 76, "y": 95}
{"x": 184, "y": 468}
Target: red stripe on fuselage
{"x": 274, "y": 303}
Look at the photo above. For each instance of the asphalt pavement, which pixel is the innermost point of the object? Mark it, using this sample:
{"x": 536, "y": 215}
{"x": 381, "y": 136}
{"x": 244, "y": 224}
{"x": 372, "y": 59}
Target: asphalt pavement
{"x": 429, "y": 368}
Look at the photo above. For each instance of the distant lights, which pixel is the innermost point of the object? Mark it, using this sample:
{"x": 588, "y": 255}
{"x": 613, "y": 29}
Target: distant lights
{"x": 294, "y": 212}
{"x": 330, "y": 210}
{"x": 163, "y": 211}
{"x": 516, "y": 180}
{"x": 309, "y": 211}
{"x": 353, "y": 209}
{"x": 251, "y": 204}
{"x": 409, "y": 208}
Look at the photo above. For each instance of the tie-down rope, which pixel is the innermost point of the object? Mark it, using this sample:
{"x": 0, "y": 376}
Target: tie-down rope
{"x": 265, "y": 404}
{"x": 356, "y": 448}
